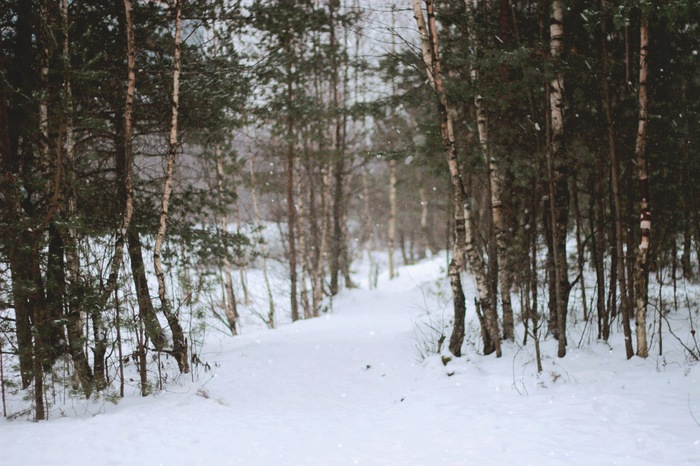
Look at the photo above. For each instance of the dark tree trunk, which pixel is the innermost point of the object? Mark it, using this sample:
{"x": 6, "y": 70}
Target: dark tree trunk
{"x": 337, "y": 238}
{"x": 616, "y": 195}
{"x": 579, "y": 246}
{"x": 291, "y": 208}
{"x": 597, "y": 225}
{"x": 73, "y": 320}
{"x": 41, "y": 348}
{"x": 147, "y": 312}
{"x": 558, "y": 167}
{"x": 55, "y": 291}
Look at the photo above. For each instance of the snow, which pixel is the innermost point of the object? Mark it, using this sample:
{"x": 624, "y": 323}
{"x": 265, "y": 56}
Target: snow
{"x": 350, "y": 388}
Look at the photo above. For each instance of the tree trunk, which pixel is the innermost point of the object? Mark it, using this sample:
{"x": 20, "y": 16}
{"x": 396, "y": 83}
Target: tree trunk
{"x": 124, "y": 158}
{"x": 498, "y": 257}
{"x": 337, "y": 238}
{"x": 17, "y": 251}
{"x": 426, "y": 231}
{"x": 580, "y": 253}
{"x": 323, "y": 242}
{"x": 39, "y": 312}
{"x": 392, "y": 217}
{"x": 124, "y": 161}
{"x": 263, "y": 253}
{"x": 54, "y": 335}
{"x": 430, "y": 42}
{"x": 616, "y": 196}
{"x": 486, "y": 277}
{"x": 688, "y": 201}
{"x": 533, "y": 282}
{"x": 502, "y": 241}
{"x": 99, "y": 335}
{"x": 74, "y": 325}
{"x": 641, "y": 276}
{"x": 40, "y": 345}
{"x": 147, "y": 313}
{"x": 291, "y": 207}
{"x": 301, "y": 234}
{"x": 597, "y": 226}
{"x": 345, "y": 253}
{"x": 179, "y": 350}
{"x": 557, "y": 171}
{"x": 229, "y": 296}
{"x": 368, "y": 228}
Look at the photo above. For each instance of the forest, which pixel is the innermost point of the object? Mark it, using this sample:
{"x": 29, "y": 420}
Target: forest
{"x": 169, "y": 165}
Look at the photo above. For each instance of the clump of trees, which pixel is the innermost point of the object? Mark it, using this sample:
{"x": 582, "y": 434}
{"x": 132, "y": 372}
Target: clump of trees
{"x": 95, "y": 98}
{"x": 564, "y": 121}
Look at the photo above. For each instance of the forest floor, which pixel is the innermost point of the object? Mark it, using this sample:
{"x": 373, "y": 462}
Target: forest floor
{"x": 354, "y": 387}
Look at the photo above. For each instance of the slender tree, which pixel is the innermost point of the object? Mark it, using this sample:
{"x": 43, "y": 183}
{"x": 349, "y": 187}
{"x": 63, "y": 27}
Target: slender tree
{"x": 179, "y": 349}
{"x": 229, "y": 296}
{"x": 74, "y": 324}
{"x": 337, "y": 246}
{"x": 557, "y": 174}
{"x": 291, "y": 157}
{"x": 430, "y": 48}
{"x": 499, "y": 260}
{"x": 641, "y": 276}
{"x": 392, "y": 217}
{"x": 256, "y": 211}
{"x": 616, "y": 194}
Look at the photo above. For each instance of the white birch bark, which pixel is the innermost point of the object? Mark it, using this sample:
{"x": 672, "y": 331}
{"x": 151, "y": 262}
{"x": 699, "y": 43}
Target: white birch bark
{"x": 127, "y": 182}
{"x": 494, "y": 181}
{"x": 179, "y": 350}
{"x": 74, "y": 324}
{"x": 430, "y": 39}
{"x": 229, "y": 296}
{"x": 424, "y": 40}
{"x": 323, "y": 246}
{"x": 301, "y": 236}
{"x": 392, "y": 217}
{"x": 642, "y": 265}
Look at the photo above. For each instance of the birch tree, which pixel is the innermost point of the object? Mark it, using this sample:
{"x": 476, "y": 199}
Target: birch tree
{"x": 392, "y": 217}
{"x": 179, "y": 350}
{"x": 74, "y": 324}
{"x": 431, "y": 57}
{"x": 494, "y": 186}
{"x": 641, "y": 276}
{"x": 124, "y": 161}
{"x": 229, "y": 296}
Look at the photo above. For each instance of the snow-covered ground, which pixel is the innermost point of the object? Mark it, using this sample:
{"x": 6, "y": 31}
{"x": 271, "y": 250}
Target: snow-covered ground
{"x": 350, "y": 388}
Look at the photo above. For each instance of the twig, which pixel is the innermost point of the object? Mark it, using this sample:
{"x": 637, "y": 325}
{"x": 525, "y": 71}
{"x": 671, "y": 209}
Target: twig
{"x": 692, "y": 353}
{"x": 2, "y": 383}
{"x": 690, "y": 318}
{"x": 690, "y": 410}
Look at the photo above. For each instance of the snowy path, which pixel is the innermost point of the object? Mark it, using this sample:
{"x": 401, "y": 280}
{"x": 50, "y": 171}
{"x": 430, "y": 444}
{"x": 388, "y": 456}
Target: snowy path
{"x": 346, "y": 389}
